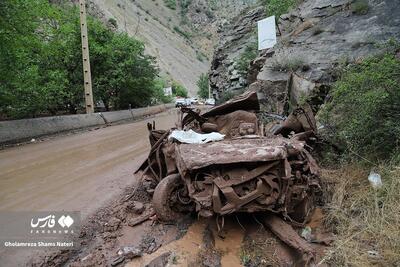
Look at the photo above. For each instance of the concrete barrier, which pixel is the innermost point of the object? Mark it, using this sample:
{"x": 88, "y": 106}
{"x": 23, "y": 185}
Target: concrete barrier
{"x": 19, "y": 130}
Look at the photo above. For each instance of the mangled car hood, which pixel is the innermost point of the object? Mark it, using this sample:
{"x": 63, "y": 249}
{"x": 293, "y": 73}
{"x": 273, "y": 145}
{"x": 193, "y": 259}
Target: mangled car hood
{"x": 197, "y": 156}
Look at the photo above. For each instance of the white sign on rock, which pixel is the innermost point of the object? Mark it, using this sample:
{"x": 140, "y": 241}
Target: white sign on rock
{"x": 266, "y": 33}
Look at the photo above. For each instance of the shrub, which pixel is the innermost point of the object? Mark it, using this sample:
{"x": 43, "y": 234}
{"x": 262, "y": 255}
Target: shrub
{"x": 277, "y": 7}
{"x": 228, "y": 95}
{"x": 184, "y": 4}
{"x": 182, "y": 32}
{"x": 360, "y": 7}
{"x": 249, "y": 54}
{"x": 364, "y": 112}
{"x": 170, "y": 4}
{"x": 200, "y": 56}
{"x": 113, "y": 22}
{"x": 202, "y": 85}
{"x": 178, "y": 89}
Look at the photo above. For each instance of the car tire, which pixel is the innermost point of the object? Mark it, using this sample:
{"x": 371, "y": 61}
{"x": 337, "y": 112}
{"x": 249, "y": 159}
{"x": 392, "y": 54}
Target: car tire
{"x": 162, "y": 198}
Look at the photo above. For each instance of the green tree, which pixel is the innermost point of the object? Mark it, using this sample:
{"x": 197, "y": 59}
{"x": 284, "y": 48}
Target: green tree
{"x": 41, "y": 62}
{"x": 159, "y": 96}
{"x": 178, "y": 89}
{"x": 21, "y": 46}
{"x": 202, "y": 85}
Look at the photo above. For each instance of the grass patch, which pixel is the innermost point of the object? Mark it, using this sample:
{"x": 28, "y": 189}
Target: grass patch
{"x": 228, "y": 95}
{"x": 366, "y": 221}
{"x": 201, "y": 56}
{"x": 287, "y": 63}
{"x": 182, "y": 32}
{"x": 360, "y": 7}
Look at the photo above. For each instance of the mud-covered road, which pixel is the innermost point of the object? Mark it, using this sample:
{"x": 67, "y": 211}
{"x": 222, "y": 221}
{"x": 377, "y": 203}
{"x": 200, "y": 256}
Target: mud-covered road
{"x": 77, "y": 172}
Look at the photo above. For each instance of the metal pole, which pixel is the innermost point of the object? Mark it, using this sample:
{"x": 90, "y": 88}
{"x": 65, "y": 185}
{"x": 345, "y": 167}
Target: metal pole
{"x": 86, "y": 61}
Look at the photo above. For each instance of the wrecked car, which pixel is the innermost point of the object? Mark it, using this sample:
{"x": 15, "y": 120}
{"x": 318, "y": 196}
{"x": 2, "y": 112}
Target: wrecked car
{"x": 227, "y": 162}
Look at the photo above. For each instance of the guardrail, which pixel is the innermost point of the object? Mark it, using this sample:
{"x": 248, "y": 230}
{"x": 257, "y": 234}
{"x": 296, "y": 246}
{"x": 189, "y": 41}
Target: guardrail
{"x": 25, "y": 129}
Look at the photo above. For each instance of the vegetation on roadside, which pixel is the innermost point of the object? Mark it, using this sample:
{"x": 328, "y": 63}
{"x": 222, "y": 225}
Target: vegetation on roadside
{"x": 159, "y": 94}
{"x": 202, "y": 85}
{"x": 364, "y": 112}
{"x": 365, "y": 220}
{"x": 362, "y": 116}
{"x": 179, "y": 90}
{"x": 41, "y": 62}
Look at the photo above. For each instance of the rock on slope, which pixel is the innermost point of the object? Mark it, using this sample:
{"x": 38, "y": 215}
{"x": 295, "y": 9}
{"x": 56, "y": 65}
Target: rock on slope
{"x": 316, "y": 36}
{"x": 224, "y": 74}
{"x": 181, "y": 39}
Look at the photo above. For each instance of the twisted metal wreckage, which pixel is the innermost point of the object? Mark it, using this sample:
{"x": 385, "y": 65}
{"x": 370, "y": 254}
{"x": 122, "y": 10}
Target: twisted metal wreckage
{"x": 248, "y": 171}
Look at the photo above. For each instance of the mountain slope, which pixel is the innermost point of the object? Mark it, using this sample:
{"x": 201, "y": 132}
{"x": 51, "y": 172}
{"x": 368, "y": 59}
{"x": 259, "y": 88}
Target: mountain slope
{"x": 181, "y": 38}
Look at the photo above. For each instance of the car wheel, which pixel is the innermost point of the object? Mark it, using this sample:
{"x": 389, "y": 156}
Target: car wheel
{"x": 167, "y": 202}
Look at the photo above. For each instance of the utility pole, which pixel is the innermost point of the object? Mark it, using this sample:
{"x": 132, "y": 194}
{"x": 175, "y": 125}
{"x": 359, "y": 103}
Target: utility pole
{"x": 87, "y": 77}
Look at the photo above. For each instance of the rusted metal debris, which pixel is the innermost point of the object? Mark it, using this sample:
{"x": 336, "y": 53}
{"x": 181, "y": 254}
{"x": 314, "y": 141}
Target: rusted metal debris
{"x": 246, "y": 172}
{"x": 288, "y": 235}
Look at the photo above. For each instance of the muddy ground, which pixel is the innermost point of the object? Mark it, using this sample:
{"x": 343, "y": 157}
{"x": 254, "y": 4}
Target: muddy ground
{"x": 73, "y": 171}
{"x": 111, "y": 237}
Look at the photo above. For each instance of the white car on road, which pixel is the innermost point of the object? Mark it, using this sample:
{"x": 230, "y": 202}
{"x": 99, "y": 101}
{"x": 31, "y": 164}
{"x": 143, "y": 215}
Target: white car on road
{"x": 210, "y": 101}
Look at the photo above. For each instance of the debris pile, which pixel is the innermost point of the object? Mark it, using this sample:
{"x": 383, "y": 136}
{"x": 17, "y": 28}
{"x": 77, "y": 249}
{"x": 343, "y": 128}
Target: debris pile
{"x": 250, "y": 170}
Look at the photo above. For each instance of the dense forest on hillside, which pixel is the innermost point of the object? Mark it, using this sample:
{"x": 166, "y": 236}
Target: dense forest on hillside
{"x": 41, "y": 63}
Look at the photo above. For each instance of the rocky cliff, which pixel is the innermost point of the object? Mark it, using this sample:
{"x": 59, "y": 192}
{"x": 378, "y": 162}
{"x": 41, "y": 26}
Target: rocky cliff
{"x": 235, "y": 38}
{"x": 315, "y": 37}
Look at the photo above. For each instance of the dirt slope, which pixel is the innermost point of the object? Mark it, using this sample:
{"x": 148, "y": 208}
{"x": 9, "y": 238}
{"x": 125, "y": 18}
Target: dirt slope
{"x": 181, "y": 40}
